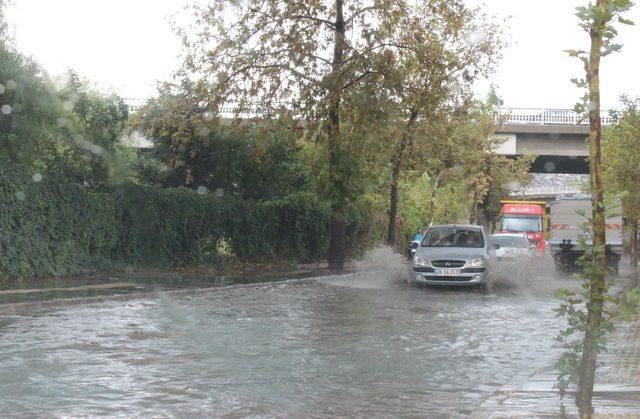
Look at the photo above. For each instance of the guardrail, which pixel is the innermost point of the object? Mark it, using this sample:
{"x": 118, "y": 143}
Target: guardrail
{"x": 549, "y": 116}
{"x": 548, "y": 190}
{"x": 538, "y": 116}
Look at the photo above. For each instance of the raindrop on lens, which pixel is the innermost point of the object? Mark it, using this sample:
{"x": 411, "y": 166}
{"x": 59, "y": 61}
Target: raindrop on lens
{"x": 202, "y": 190}
{"x": 21, "y": 196}
{"x": 219, "y": 192}
{"x": 549, "y": 166}
{"x": 475, "y": 37}
{"x": 2, "y": 88}
{"x": 37, "y": 177}
{"x": 6, "y": 109}
{"x": 207, "y": 115}
{"x": 64, "y": 122}
{"x": 68, "y": 105}
{"x": 11, "y": 84}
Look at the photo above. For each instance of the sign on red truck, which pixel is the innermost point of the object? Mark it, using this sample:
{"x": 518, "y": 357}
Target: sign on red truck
{"x": 529, "y": 217}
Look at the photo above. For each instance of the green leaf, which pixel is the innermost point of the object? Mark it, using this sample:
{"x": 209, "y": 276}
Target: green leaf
{"x": 625, "y": 21}
{"x": 573, "y": 52}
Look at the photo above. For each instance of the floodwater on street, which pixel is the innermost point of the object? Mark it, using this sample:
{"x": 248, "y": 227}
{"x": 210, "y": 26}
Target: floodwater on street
{"x": 364, "y": 345}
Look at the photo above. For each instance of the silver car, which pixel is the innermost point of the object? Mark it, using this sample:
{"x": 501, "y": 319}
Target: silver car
{"x": 511, "y": 247}
{"x": 452, "y": 254}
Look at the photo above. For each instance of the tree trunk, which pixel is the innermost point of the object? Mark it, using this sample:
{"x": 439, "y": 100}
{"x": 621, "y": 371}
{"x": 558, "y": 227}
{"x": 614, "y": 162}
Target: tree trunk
{"x": 593, "y": 332}
{"x": 393, "y": 203}
{"x": 473, "y": 212}
{"x": 397, "y": 160}
{"x": 337, "y": 251}
{"x": 634, "y": 250}
{"x": 432, "y": 202}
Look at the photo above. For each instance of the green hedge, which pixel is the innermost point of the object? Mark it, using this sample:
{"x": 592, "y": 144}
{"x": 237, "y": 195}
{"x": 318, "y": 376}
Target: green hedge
{"x": 54, "y": 227}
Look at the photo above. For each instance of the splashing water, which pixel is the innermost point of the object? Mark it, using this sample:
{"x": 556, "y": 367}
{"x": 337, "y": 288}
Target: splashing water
{"x": 527, "y": 276}
{"x": 380, "y": 268}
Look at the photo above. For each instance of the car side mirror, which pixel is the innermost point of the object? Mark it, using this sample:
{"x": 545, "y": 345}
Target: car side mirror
{"x": 495, "y": 246}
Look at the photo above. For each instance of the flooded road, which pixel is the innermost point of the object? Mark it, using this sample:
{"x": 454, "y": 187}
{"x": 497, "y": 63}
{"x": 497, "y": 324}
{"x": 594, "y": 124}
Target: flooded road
{"x": 339, "y": 346}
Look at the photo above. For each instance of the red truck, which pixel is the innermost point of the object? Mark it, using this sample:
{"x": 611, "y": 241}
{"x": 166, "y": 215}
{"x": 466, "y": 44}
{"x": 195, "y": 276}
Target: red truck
{"x": 529, "y": 217}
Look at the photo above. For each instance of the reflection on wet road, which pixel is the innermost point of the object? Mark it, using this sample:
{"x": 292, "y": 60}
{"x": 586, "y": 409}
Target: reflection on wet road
{"x": 326, "y": 347}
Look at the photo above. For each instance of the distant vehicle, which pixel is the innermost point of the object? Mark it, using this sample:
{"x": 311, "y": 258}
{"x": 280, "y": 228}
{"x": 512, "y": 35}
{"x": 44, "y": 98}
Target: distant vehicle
{"x": 513, "y": 247}
{"x": 528, "y": 217}
{"x": 569, "y": 224}
{"x": 451, "y": 255}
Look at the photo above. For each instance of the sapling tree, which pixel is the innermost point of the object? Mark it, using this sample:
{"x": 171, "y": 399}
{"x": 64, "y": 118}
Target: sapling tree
{"x": 579, "y": 363}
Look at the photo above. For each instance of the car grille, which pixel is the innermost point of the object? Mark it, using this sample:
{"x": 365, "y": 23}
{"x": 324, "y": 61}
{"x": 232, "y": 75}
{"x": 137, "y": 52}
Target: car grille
{"x": 449, "y": 278}
{"x": 448, "y": 263}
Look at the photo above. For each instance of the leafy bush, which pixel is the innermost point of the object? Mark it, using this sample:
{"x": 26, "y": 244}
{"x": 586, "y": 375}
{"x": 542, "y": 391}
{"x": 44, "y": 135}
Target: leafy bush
{"x": 51, "y": 226}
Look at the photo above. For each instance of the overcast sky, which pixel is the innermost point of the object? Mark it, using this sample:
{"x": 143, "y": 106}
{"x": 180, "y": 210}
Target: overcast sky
{"x": 128, "y": 45}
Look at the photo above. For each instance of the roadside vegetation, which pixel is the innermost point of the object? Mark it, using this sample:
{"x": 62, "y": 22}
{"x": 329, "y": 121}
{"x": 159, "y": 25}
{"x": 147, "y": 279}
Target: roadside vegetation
{"x": 329, "y": 152}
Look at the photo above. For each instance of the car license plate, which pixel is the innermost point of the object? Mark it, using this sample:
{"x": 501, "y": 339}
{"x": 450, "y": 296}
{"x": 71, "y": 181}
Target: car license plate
{"x": 448, "y": 272}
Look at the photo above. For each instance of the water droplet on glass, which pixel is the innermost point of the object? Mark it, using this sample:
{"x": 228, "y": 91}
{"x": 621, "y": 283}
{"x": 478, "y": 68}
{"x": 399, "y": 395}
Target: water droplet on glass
{"x": 550, "y": 166}
{"x": 2, "y": 88}
{"x": 64, "y": 122}
{"x": 21, "y": 196}
{"x": 37, "y": 177}
{"x": 202, "y": 190}
{"x": 475, "y": 37}
{"x": 204, "y": 131}
{"x": 219, "y": 192}
{"x": 6, "y": 109}
{"x": 67, "y": 105}
{"x": 207, "y": 115}
{"x": 11, "y": 85}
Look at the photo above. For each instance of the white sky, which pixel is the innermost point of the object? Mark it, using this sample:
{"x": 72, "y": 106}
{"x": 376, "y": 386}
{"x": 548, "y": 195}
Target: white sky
{"x": 128, "y": 46}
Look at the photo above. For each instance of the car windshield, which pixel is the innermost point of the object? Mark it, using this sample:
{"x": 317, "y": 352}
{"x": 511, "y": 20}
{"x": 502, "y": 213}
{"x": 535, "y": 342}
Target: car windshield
{"x": 453, "y": 237}
{"x": 521, "y": 224}
{"x": 509, "y": 241}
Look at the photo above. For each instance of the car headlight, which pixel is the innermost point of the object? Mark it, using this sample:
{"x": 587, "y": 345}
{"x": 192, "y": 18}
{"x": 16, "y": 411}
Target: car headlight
{"x": 420, "y": 261}
{"x": 475, "y": 263}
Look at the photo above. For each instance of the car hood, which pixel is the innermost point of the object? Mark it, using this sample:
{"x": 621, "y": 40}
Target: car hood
{"x": 463, "y": 253}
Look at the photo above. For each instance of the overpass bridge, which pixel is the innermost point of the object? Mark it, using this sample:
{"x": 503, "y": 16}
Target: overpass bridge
{"x": 557, "y": 136}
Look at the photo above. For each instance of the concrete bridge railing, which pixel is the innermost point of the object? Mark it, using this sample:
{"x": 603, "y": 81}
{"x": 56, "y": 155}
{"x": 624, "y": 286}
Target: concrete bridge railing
{"x": 537, "y": 116}
{"x": 550, "y": 190}
{"x": 549, "y": 116}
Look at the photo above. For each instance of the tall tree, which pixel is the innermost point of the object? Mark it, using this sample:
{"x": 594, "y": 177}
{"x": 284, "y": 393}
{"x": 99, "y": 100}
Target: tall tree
{"x": 596, "y": 19}
{"x": 621, "y": 160}
{"x": 305, "y": 58}
{"x": 441, "y": 50}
